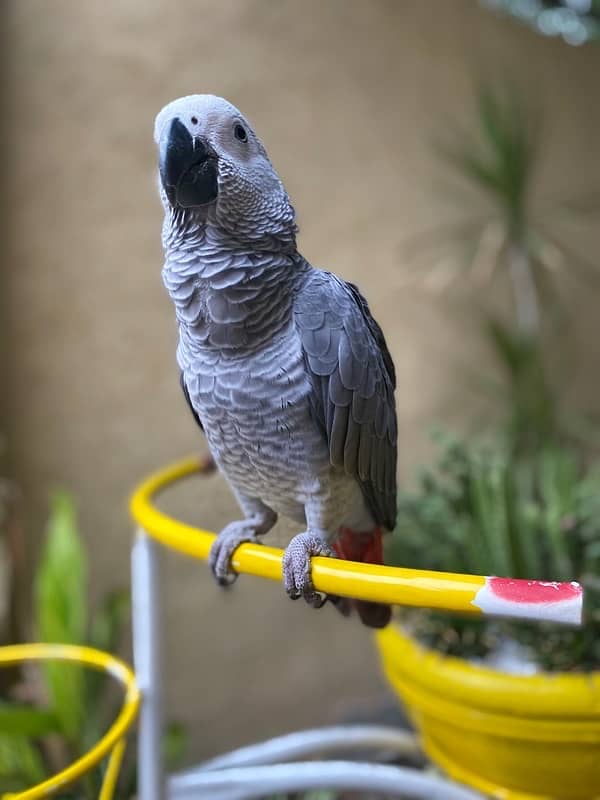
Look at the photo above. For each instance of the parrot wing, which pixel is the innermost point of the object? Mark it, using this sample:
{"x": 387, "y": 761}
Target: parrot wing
{"x": 186, "y": 394}
{"x": 353, "y": 380}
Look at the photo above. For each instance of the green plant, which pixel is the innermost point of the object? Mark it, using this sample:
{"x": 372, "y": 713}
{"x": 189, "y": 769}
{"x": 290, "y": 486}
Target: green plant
{"x": 13, "y": 571}
{"x": 79, "y": 704}
{"x": 486, "y": 511}
{"x": 78, "y": 708}
{"x": 517, "y": 242}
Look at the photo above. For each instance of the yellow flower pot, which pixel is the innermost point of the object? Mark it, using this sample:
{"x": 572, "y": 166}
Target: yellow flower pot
{"x": 512, "y": 737}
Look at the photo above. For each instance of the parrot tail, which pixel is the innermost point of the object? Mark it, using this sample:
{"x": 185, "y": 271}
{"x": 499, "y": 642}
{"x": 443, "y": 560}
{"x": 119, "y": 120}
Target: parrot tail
{"x": 368, "y": 549}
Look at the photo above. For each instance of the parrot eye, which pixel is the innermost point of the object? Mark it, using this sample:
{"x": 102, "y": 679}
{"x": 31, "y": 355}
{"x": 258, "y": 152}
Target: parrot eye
{"x": 240, "y": 133}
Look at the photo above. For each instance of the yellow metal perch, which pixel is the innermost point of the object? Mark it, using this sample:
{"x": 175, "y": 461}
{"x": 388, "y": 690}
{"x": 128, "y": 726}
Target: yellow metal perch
{"x": 470, "y": 594}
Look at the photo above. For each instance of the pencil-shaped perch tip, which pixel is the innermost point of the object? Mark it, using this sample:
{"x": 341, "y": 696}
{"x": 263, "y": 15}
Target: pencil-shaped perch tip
{"x": 549, "y": 601}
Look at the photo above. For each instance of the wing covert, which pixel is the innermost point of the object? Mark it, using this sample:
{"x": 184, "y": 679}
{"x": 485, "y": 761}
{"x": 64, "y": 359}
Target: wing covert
{"x": 353, "y": 380}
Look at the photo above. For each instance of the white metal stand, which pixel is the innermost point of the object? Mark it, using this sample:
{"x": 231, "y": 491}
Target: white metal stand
{"x": 252, "y": 772}
{"x": 146, "y": 618}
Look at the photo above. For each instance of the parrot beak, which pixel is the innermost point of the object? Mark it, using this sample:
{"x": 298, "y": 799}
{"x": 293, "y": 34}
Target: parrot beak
{"x": 188, "y": 168}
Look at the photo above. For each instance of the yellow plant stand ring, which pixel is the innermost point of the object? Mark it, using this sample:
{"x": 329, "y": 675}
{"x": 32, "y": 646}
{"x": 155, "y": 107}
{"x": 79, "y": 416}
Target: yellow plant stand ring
{"x": 112, "y": 744}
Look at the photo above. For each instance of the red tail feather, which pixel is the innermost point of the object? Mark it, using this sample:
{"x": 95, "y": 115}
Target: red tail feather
{"x": 364, "y": 547}
{"x": 368, "y": 549}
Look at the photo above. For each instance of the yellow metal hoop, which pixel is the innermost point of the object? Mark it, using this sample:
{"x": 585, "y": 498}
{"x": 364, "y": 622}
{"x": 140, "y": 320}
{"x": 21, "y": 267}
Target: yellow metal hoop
{"x": 391, "y": 585}
{"x": 470, "y": 594}
{"x": 113, "y": 741}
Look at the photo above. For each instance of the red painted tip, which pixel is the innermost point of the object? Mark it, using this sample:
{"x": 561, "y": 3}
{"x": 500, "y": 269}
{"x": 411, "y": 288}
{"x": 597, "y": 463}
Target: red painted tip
{"x": 522, "y": 591}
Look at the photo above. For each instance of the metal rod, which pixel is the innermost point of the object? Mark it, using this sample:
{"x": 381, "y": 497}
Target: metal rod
{"x": 145, "y": 579}
{"x": 314, "y": 741}
{"x": 243, "y": 783}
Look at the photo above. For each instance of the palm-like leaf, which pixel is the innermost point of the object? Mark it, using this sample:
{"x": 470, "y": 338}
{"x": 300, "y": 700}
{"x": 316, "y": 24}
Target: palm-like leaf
{"x": 61, "y": 612}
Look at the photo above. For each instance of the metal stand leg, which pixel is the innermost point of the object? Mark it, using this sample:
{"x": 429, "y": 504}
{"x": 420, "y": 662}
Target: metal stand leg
{"x": 147, "y": 658}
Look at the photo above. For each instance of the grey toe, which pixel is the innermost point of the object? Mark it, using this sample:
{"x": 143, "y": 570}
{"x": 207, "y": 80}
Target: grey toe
{"x": 223, "y": 549}
{"x": 296, "y": 567}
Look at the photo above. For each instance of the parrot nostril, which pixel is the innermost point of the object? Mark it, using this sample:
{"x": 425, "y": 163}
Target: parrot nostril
{"x": 194, "y": 120}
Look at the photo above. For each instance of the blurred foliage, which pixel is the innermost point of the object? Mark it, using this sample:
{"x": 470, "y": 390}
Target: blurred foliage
{"x": 61, "y": 614}
{"x": 500, "y": 156}
{"x": 521, "y": 502}
{"x": 528, "y": 394}
{"x": 79, "y": 703}
{"x": 485, "y": 511}
{"x": 496, "y": 157}
{"x": 13, "y": 568}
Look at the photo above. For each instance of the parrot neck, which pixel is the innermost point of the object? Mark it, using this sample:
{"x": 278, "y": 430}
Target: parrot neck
{"x": 228, "y": 295}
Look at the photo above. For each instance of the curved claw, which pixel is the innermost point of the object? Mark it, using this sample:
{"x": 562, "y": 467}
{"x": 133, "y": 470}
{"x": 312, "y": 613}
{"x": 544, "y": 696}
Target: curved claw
{"x": 296, "y": 567}
{"x": 311, "y": 596}
{"x": 226, "y": 580}
{"x": 315, "y": 599}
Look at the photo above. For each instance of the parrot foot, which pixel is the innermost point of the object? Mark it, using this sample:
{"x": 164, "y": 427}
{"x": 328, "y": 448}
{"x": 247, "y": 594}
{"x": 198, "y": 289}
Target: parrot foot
{"x": 228, "y": 541}
{"x": 296, "y": 567}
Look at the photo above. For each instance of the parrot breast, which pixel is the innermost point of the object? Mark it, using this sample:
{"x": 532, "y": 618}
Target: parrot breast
{"x": 256, "y": 415}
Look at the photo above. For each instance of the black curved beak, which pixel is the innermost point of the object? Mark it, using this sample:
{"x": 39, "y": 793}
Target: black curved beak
{"x": 188, "y": 168}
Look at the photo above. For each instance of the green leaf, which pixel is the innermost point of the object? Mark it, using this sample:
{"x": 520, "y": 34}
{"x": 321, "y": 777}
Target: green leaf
{"x": 61, "y": 611}
{"x": 24, "y": 720}
{"x": 106, "y": 629}
{"x": 593, "y": 550}
{"x": 557, "y": 478}
{"x": 21, "y": 766}
{"x": 110, "y": 618}
{"x": 174, "y": 744}
{"x": 499, "y": 155}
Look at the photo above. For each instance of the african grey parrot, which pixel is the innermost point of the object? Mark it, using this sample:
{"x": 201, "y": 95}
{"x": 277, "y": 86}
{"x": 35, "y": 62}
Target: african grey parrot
{"x": 282, "y": 364}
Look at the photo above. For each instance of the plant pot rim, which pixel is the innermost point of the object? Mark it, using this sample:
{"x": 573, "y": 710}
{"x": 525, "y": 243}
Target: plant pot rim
{"x": 545, "y": 695}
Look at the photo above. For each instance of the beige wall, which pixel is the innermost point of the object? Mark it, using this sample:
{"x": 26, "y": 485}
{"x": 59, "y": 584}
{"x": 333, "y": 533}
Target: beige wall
{"x": 347, "y": 96}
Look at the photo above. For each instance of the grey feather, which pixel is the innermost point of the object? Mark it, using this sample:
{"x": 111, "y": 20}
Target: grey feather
{"x": 357, "y": 415}
{"x": 336, "y": 435}
{"x": 351, "y": 449}
{"x": 186, "y": 394}
{"x": 339, "y": 395}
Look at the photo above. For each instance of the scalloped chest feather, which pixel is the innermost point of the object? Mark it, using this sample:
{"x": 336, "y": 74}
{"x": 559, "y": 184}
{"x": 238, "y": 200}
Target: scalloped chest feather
{"x": 255, "y": 412}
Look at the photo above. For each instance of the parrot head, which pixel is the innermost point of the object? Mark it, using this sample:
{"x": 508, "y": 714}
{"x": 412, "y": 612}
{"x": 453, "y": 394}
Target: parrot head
{"x": 213, "y": 166}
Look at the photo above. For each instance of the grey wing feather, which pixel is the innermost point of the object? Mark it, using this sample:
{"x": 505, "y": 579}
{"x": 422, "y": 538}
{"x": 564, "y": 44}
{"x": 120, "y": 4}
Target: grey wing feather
{"x": 353, "y": 381}
{"x": 186, "y": 394}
